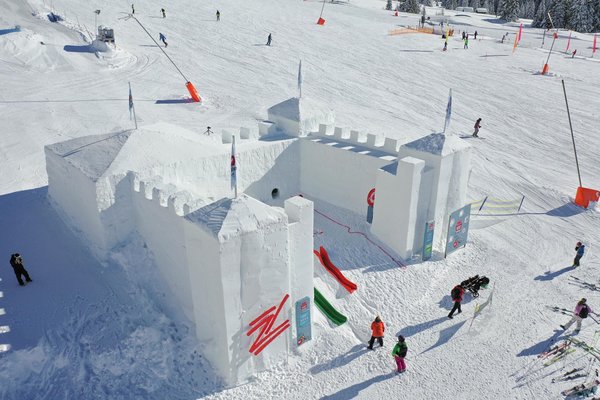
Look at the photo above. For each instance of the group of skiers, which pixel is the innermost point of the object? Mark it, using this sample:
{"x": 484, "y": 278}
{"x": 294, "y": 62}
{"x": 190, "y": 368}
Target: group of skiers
{"x": 163, "y": 38}
{"x": 400, "y": 349}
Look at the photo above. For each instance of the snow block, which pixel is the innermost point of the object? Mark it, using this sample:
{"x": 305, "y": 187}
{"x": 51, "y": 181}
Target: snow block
{"x": 226, "y": 136}
{"x": 390, "y": 145}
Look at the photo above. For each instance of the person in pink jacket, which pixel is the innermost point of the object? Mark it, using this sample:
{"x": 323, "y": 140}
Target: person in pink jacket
{"x": 582, "y": 310}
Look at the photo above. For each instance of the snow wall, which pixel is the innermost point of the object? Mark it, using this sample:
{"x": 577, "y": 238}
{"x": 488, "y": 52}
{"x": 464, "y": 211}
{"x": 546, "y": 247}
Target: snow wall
{"x": 227, "y": 263}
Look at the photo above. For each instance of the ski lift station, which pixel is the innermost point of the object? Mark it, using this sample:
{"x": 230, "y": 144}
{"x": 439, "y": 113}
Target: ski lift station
{"x": 106, "y": 35}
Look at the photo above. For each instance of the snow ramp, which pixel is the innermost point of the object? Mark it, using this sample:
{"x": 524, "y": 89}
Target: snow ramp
{"x": 326, "y": 308}
{"x": 334, "y": 271}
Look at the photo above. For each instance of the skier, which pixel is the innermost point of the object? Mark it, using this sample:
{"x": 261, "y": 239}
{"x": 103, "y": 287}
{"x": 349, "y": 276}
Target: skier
{"x": 466, "y": 46}
{"x": 580, "y": 249}
{"x": 269, "y": 40}
{"x": 163, "y": 39}
{"x": 457, "y": 294}
{"x": 574, "y": 52}
{"x": 503, "y": 37}
{"x": 132, "y": 9}
{"x": 445, "y": 46}
{"x": 581, "y": 311}
{"x": 463, "y": 35}
{"x": 162, "y": 10}
{"x": 476, "y": 127}
{"x": 377, "y": 329}
{"x": 16, "y": 261}
{"x": 399, "y": 352}
{"x": 475, "y": 35}
{"x": 208, "y": 131}
{"x": 218, "y": 15}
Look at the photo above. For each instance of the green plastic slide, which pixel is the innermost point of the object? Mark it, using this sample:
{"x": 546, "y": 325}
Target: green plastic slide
{"x": 326, "y": 308}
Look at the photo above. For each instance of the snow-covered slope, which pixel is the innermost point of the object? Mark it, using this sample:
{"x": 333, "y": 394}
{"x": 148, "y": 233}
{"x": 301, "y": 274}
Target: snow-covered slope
{"x": 87, "y": 330}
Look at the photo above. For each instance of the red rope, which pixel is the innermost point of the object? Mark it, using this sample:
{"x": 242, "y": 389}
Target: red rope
{"x": 400, "y": 264}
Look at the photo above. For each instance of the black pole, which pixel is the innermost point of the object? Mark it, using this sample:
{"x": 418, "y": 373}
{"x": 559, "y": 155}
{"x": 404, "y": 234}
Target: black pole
{"x": 161, "y": 49}
{"x": 322, "y": 8}
{"x": 551, "y": 46}
{"x": 572, "y": 136}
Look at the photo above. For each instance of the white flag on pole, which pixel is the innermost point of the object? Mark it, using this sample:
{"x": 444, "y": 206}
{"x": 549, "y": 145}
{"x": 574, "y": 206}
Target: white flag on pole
{"x": 300, "y": 78}
{"x": 448, "y": 111}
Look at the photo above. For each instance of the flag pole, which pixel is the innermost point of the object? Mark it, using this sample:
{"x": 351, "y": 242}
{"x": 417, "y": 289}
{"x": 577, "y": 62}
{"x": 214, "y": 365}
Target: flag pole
{"x": 132, "y": 106}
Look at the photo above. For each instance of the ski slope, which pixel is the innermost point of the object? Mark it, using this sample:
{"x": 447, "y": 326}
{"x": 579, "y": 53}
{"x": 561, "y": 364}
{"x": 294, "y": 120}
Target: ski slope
{"x": 84, "y": 329}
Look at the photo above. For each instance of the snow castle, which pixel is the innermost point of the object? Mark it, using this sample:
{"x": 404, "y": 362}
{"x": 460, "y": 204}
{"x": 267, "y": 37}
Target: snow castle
{"x": 242, "y": 268}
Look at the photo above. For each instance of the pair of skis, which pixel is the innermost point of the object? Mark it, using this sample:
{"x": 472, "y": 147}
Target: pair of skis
{"x": 587, "y": 285}
{"x": 570, "y": 375}
{"x": 554, "y": 350}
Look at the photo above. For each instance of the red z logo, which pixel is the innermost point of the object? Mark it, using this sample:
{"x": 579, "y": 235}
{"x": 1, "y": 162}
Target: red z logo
{"x": 265, "y": 323}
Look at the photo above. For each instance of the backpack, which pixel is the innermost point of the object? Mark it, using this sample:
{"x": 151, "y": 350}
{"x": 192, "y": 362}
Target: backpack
{"x": 584, "y": 311}
{"x": 455, "y": 293}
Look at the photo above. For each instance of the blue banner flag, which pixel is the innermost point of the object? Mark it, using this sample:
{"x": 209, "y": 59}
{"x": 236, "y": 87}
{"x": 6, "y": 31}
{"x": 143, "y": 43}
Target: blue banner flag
{"x": 448, "y": 111}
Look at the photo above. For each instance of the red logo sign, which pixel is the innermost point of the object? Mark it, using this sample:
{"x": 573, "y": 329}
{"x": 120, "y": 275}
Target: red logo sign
{"x": 303, "y": 306}
{"x": 455, "y": 244}
{"x": 371, "y": 197}
{"x": 458, "y": 226}
{"x": 265, "y": 323}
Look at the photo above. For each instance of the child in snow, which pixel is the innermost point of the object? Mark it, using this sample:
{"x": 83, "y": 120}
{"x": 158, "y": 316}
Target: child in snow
{"x": 476, "y": 127}
{"x": 269, "y": 40}
{"x": 218, "y": 15}
{"x": 457, "y": 294}
{"x": 466, "y": 46}
{"x": 377, "y": 329}
{"x": 162, "y": 38}
{"x": 581, "y": 311}
{"x": 399, "y": 352}
{"x": 17, "y": 263}
{"x": 580, "y": 249}
{"x": 162, "y": 10}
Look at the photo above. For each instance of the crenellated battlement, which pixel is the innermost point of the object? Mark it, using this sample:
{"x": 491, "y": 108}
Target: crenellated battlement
{"x": 370, "y": 141}
{"x": 165, "y": 195}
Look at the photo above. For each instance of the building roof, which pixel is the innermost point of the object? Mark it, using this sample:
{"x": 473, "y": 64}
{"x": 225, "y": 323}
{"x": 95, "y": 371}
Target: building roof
{"x": 234, "y": 217}
{"x": 438, "y": 144}
{"x": 135, "y": 150}
{"x": 92, "y": 155}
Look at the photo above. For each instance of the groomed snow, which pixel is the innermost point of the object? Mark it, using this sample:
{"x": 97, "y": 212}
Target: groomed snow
{"x": 85, "y": 329}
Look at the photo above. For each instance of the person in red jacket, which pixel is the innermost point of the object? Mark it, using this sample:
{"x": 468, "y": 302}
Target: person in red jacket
{"x": 377, "y": 329}
{"x": 457, "y": 294}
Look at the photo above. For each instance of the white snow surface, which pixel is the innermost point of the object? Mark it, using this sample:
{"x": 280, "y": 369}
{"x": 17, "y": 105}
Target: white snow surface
{"x": 84, "y": 329}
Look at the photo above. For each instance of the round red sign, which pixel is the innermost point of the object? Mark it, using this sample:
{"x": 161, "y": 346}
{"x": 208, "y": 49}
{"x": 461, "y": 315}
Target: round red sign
{"x": 371, "y": 197}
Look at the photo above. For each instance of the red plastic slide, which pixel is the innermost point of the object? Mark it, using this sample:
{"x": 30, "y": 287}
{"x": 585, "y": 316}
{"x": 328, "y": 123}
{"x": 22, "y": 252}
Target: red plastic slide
{"x": 333, "y": 270}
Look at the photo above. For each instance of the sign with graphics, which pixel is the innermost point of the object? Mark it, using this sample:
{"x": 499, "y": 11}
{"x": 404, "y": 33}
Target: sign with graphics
{"x": 371, "y": 197}
{"x": 428, "y": 240}
{"x": 303, "y": 332}
{"x": 370, "y": 203}
{"x": 458, "y": 229}
{"x": 264, "y": 325}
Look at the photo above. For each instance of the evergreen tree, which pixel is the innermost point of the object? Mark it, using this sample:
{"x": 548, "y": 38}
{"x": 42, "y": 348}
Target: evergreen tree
{"x": 410, "y": 6}
{"x": 509, "y": 10}
{"x": 582, "y": 19}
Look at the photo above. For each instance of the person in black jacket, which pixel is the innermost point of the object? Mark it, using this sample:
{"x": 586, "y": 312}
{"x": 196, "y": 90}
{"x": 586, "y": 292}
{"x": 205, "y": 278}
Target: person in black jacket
{"x": 17, "y": 263}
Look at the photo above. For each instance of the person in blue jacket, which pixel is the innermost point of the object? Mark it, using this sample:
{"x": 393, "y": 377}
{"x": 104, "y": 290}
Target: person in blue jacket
{"x": 580, "y": 249}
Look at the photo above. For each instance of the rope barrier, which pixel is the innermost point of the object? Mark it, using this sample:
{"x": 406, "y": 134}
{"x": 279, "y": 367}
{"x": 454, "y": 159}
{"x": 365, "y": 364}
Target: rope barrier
{"x": 399, "y": 263}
